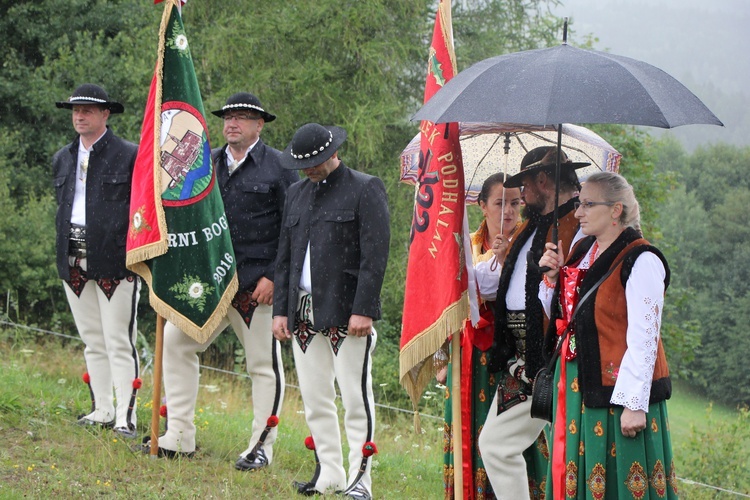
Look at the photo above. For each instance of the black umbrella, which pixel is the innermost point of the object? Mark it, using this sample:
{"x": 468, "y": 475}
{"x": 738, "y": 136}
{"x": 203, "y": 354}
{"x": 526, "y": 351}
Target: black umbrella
{"x": 565, "y": 84}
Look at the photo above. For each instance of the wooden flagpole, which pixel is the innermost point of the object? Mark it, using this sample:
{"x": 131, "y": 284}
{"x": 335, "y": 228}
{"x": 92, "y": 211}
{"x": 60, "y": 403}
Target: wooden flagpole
{"x": 457, "y": 434}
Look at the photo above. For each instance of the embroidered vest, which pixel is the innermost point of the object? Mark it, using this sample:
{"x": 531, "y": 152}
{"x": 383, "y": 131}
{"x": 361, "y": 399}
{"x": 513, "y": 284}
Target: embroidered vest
{"x": 602, "y": 323}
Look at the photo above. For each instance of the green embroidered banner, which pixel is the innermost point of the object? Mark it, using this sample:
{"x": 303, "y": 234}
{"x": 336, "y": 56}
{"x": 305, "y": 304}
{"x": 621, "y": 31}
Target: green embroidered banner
{"x": 179, "y": 240}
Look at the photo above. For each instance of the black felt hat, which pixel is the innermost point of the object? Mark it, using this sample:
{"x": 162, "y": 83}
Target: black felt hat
{"x": 88, "y": 93}
{"x": 541, "y": 158}
{"x": 311, "y": 145}
{"x": 244, "y": 101}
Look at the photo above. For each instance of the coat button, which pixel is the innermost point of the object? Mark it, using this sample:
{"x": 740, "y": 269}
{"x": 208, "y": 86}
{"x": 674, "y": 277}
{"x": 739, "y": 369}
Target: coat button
{"x": 338, "y": 218}
{"x": 255, "y": 188}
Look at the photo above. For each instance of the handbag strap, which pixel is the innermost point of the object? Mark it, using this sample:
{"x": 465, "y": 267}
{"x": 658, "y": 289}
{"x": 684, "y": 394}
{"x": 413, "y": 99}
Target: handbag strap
{"x": 583, "y": 299}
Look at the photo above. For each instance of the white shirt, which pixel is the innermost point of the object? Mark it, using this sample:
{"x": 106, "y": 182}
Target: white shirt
{"x": 78, "y": 214}
{"x": 232, "y": 163}
{"x": 644, "y": 293}
{"x": 305, "y": 279}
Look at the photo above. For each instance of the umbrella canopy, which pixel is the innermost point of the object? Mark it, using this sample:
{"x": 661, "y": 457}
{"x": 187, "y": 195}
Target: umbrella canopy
{"x": 565, "y": 84}
{"x": 483, "y": 151}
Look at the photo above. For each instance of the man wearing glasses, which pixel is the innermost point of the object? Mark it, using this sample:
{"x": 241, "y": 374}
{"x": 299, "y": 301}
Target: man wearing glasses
{"x": 253, "y": 187}
{"x": 92, "y": 177}
{"x": 520, "y": 324}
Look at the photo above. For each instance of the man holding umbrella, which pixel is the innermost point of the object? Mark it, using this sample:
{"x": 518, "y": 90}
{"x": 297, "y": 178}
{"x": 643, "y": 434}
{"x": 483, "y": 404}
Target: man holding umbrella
{"x": 520, "y": 321}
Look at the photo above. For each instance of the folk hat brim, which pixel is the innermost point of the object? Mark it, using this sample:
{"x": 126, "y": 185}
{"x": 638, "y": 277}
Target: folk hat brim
{"x": 539, "y": 159}
{"x": 311, "y": 145}
{"x": 244, "y": 101}
{"x": 90, "y": 94}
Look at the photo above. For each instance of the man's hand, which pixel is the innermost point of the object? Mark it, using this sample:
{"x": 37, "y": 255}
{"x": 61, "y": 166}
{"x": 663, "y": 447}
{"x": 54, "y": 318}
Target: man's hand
{"x": 263, "y": 293}
{"x": 360, "y": 326}
{"x": 279, "y": 328}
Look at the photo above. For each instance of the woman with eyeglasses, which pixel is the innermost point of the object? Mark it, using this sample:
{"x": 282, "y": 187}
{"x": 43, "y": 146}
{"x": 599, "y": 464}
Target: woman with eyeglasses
{"x": 610, "y": 435}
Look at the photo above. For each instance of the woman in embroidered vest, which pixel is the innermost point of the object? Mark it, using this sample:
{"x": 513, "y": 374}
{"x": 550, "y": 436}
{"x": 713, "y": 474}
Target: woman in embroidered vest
{"x": 610, "y": 435}
{"x": 501, "y": 209}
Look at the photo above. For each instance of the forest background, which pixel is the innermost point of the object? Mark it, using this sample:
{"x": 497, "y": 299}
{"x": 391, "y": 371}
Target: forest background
{"x": 359, "y": 64}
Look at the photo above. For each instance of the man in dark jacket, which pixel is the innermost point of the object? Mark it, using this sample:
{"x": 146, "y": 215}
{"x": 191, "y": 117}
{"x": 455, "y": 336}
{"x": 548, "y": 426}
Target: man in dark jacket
{"x": 509, "y": 429}
{"x": 92, "y": 177}
{"x": 332, "y": 256}
{"x": 253, "y": 187}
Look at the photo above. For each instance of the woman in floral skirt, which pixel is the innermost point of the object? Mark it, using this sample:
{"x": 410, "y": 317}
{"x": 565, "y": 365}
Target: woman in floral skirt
{"x": 610, "y": 434}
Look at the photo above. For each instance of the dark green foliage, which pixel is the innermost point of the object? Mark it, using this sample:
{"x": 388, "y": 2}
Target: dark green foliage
{"x": 357, "y": 64}
{"x": 705, "y": 237}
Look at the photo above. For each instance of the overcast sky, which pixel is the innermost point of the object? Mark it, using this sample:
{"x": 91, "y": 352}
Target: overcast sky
{"x": 702, "y": 43}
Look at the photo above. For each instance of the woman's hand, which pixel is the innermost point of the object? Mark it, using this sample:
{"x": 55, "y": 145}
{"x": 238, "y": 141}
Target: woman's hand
{"x": 632, "y": 422}
{"x": 553, "y": 259}
{"x": 500, "y": 248}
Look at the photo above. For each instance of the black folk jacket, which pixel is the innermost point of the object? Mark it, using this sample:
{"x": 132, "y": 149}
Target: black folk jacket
{"x": 108, "y": 184}
{"x": 254, "y": 202}
{"x": 346, "y": 221}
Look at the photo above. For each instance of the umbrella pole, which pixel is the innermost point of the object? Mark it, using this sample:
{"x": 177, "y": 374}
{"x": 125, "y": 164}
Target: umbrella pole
{"x": 458, "y": 464}
{"x": 530, "y": 257}
{"x": 506, "y": 149}
{"x": 556, "y": 216}
{"x": 156, "y": 400}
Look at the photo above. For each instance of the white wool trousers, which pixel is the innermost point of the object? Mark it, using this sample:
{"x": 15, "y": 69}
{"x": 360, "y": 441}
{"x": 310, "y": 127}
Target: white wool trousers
{"x": 502, "y": 441}
{"x": 318, "y": 367}
{"x": 182, "y": 373}
{"x": 108, "y": 328}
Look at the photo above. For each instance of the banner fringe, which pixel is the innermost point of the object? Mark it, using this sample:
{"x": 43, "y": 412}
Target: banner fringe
{"x": 198, "y": 333}
{"x": 415, "y": 367}
{"x": 146, "y": 252}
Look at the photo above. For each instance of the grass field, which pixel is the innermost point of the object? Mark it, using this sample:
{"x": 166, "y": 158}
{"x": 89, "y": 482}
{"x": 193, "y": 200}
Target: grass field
{"x": 45, "y": 455}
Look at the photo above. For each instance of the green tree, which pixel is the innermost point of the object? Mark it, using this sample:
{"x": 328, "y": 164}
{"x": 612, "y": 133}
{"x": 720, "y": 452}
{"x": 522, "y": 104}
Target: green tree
{"x": 705, "y": 236}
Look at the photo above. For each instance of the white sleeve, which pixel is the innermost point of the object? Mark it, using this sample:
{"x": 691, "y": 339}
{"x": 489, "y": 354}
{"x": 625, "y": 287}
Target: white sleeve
{"x": 644, "y": 293}
{"x": 545, "y": 297}
{"x": 487, "y": 278}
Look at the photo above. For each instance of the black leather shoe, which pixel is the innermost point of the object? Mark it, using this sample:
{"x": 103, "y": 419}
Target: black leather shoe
{"x": 253, "y": 461}
{"x": 306, "y": 489}
{"x": 128, "y": 432}
{"x": 359, "y": 492}
{"x": 145, "y": 448}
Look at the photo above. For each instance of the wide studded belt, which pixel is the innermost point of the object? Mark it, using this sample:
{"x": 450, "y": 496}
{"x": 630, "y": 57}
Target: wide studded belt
{"x": 516, "y": 325}
{"x": 77, "y": 241}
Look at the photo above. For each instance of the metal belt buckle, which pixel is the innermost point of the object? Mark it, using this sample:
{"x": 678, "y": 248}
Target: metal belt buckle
{"x": 77, "y": 233}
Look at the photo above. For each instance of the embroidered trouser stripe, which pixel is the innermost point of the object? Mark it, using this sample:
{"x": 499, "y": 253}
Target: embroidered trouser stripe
{"x": 132, "y": 330}
{"x": 108, "y": 328}
{"x": 181, "y": 373}
{"x": 319, "y": 368}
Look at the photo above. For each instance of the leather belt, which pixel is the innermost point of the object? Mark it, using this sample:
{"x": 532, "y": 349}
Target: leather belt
{"x": 77, "y": 241}
{"x": 516, "y": 324}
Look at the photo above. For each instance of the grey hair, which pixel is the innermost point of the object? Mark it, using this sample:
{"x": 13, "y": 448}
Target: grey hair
{"x": 616, "y": 189}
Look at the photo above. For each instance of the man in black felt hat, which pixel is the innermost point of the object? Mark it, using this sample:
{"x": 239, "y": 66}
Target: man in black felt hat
{"x": 520, "y": 324}
{"x": 332, "y": 256}
{"x": 253, "y": 186}
{"x": 92, "y": 177}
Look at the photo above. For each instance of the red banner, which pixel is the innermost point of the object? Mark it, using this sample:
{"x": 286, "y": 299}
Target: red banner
{"x": 435, "y": 301}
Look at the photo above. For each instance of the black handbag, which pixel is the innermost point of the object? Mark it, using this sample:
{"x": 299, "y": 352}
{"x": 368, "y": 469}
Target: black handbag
{"x": 543, "y": 387}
